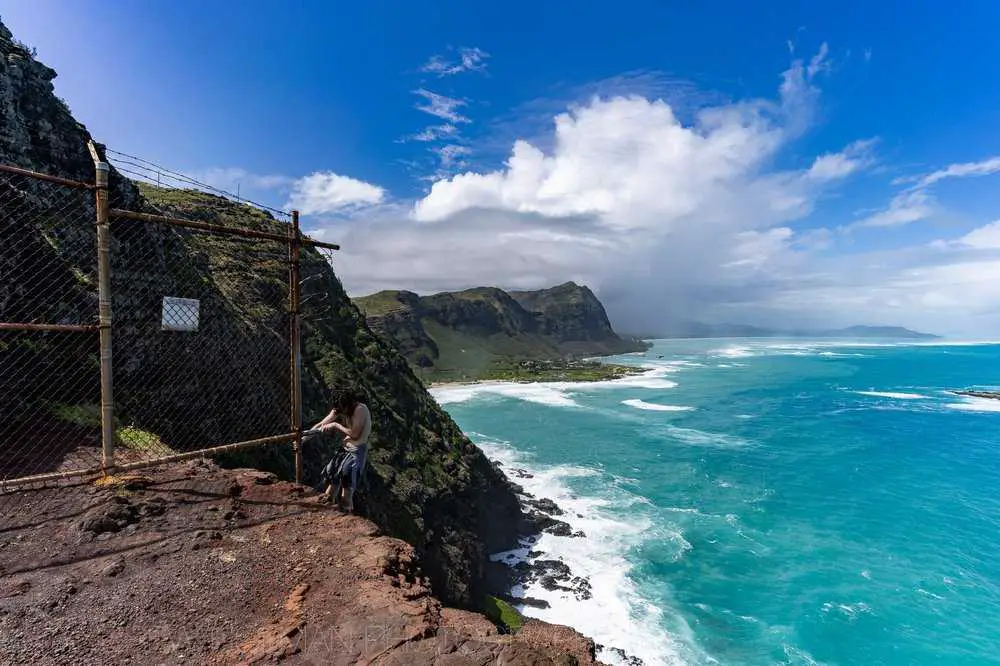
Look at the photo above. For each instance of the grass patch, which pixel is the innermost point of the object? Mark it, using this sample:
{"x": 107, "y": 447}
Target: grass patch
{"x": 134, "y": 439}
{"x": 558, "y": 371}
{"x": 379, "y": 303}
{"x": 503, "y": 614}
{"x": 86, "y": 416}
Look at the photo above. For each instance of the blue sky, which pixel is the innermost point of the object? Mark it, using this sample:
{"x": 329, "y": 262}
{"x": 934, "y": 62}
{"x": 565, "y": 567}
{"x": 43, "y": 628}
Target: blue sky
{"x": 763, "y": 162}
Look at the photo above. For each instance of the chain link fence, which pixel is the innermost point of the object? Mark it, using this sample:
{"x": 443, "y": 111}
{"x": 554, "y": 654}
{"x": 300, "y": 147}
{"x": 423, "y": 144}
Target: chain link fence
{"x": 204, "y": 325}
{"x": 49, "y": 366}
{"x": 201, "y": 332}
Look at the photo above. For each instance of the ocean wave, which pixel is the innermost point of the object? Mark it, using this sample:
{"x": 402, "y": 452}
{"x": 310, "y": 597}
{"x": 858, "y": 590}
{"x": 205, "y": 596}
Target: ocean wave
{"x": 542, "y": 394}
{"x": 553, "y": 394}
{"x": 617, "y": 614}
{"x": 732, "y": 352}
{"x": 652, "y": 407}
{"x": 894, "y": 395}
{"x": 971, "y": 404}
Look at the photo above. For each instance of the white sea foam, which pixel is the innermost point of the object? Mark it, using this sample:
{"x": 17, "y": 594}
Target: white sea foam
{"x": 894, "y": 395}
{"x": 542, "y": 394}
{"x": 653, "y": 407}
{"x": 851, "y": 611}
{"x": 732, "y": 352}
{"x": 970, "y": 404}
{"x": 554, "y": 394}
{"x": 702, "y": 438}
{"x": 617, "y": 614}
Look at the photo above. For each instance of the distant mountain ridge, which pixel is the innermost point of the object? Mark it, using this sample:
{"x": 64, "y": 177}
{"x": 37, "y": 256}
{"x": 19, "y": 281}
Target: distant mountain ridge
{"x": 693, "y": 329}
{"x": 464, "y": 333}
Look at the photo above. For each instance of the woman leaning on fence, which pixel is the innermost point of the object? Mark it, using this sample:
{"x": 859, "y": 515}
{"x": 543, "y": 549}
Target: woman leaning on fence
{"x": 345, "y": 469}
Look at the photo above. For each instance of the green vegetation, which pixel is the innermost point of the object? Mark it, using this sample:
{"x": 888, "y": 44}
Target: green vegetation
{"x": 141, "y": 441}
{"x": 503, "y": 614}
{"x": 85, "y": 416}
{"x": 129, "y": 437}
{"x": 379, "y": 303}
{"x": 558, "y": 371}
{"x": 486, "y": 333}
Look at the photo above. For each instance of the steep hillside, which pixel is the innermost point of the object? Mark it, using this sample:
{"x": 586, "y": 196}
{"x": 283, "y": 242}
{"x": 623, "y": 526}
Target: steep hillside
{"x": 428, "y": 484}
{"x": 468, "y": 333}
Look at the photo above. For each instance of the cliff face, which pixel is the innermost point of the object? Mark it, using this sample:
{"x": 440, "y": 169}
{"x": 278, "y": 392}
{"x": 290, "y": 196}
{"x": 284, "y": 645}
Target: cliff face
{"x": 427, "y": 483}
{"x": 468, "y": 331}
{"x": 571, "y": 314}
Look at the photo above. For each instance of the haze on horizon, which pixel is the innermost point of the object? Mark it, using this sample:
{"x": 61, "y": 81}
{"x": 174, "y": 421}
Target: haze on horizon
{"x": 792, "y": 169}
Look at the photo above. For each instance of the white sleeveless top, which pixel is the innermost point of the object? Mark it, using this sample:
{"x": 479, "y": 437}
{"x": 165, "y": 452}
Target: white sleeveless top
{"x": 366, "y": 429}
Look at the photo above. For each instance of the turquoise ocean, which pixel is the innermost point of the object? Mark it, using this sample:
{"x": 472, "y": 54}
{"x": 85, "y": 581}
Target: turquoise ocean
{"x": 767, "y": 501}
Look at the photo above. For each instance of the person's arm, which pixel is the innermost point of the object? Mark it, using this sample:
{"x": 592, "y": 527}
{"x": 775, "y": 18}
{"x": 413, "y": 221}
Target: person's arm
{"x": 357, "y": 424}
{"x": 327, "y": 420}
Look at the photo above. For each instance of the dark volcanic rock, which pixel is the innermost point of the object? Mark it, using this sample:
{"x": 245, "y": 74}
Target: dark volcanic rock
{"x": 546, "y": 505}
{"x": 112, "y": 517}
{"x": 628, "y": 659}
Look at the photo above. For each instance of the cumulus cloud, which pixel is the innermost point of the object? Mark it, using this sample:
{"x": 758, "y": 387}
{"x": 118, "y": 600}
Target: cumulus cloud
{"x": 672, "y": 216}
{"x": 470, "y": 59}
{"x": 327, "y": 192}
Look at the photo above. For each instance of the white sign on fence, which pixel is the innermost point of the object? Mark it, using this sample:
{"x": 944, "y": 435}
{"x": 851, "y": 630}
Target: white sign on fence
{"x": 180, "y": 314}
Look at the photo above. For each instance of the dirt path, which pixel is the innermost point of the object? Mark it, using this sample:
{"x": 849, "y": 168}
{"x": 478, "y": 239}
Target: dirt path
{"x": 193, "y": 564}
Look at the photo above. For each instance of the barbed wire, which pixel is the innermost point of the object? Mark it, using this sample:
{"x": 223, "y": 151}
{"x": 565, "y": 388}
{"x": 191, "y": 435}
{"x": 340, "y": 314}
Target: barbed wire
{"x": 143, "y": 168}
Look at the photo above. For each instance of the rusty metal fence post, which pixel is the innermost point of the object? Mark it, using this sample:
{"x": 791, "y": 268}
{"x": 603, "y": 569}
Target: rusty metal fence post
{"x": 101, "y": 171}
{"x": 295, "y": 340}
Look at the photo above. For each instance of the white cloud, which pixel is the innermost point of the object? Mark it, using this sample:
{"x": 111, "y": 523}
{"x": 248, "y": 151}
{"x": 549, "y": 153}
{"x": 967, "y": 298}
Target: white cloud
{"x": 904, "y": 208}
{"x": 984, "y": 238}
{"x": 832, "y": 166}
{"x": 916, "y": 203}
{"x": 452, "y": 155}
{"x": 327, "y": 192}
{"x": 982, "y": 168}
{"x": 469, "y": 60}
{"x": 441, "y": 106}
{"x": 435, "y": 133}
{"x": 820, "y": 62}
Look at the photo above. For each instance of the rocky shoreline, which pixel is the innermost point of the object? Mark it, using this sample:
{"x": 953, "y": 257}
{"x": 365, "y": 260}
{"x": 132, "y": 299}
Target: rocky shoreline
{"x": 989, "y": 395}
{"x": 512, "y": 571}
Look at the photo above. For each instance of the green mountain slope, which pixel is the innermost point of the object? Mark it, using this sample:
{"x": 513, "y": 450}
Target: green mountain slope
{"x": 471, "y": 333}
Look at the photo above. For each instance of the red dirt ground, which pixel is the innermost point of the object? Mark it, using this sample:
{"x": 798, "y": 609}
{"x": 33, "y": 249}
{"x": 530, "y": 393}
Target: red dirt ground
{"x": 195, "y": 564}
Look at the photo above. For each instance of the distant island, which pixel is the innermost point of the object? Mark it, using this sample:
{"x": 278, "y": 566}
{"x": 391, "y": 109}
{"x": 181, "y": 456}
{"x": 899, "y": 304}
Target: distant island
{"x": 693, "y": 329}
{"x": 489, "y": 333}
